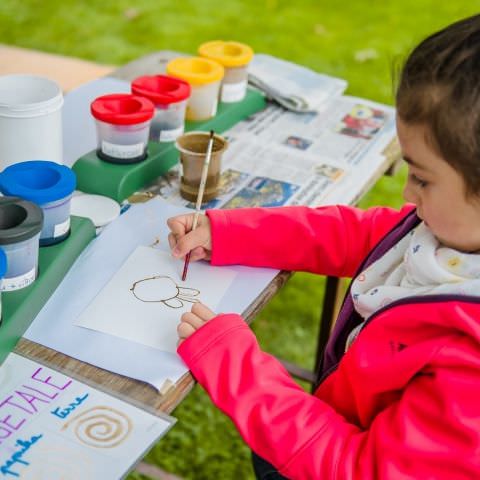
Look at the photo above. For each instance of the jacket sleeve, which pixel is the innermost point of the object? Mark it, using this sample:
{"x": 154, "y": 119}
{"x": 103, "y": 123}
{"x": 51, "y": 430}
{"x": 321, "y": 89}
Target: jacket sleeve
{"x": 329, "y": 240}
{"x": 416, "y": 436}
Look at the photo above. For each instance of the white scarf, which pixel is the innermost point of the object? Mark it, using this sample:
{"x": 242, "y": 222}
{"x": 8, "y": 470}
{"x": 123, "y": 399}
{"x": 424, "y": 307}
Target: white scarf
{"x": 417, "y": 265}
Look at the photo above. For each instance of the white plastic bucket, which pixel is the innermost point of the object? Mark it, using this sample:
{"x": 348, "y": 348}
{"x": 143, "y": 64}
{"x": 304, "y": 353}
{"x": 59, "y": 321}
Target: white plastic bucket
{"x": 30, "y": 119}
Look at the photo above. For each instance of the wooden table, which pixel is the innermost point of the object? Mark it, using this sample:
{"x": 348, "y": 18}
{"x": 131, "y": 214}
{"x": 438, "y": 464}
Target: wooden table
{"x": 135, "y": 392}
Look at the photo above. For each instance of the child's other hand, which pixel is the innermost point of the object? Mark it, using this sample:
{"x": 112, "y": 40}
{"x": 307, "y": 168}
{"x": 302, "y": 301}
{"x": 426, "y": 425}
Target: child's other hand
{"x": 193, "y": 320}
{"x": 182, "y": 239}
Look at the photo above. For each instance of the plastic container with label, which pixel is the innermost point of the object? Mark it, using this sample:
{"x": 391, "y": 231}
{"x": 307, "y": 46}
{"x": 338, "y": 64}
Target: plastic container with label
{"x": 123, "y": 125}
{"x": 50, "y": 186}
{"x": 3, "y": 269}
{"x": 234, "y": 57}
{"x": 30, "y": 119}
{"x": 170, "y": 96}
{"x": 204, "y": 76}
{"x": 20, "y": 225}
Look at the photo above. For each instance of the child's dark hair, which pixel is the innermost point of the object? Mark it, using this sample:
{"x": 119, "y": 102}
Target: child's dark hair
{"x": 439, "y": 87}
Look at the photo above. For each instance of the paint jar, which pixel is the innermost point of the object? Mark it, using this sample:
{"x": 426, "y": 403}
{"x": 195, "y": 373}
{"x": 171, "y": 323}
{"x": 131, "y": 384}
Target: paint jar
{"x": 50, "y": 186}
{"x": 170, "y": 96}
{"x": 234, "y": 57}
{"x": 123, "y": 125}
{"x": 204, "y": 76}
{"x": 30, "y": 119}
{"x": 3, "y": 269}
{"x": 20, "y": 225}
{"x": 193, "y": 148}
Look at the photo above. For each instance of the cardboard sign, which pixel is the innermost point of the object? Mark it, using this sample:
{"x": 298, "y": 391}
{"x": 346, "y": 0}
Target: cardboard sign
{"x": 52, "y": 426}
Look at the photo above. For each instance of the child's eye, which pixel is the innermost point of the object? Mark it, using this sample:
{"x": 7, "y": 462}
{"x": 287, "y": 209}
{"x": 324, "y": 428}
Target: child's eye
{"x": 417, "y": 180}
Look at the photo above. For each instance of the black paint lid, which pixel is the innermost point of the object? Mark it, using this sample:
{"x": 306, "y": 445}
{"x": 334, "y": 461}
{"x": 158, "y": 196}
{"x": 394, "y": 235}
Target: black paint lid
{"x": 19, "y": 220}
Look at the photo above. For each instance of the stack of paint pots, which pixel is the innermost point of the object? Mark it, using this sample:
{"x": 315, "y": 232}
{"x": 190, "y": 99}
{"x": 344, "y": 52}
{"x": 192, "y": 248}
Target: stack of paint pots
{"x": 123, "y": 125}
{"x": 170, "y": 96}
{"x": 3, "y": 269}
{"x": 220, "y": 72}
{"x": 35, "y": 211}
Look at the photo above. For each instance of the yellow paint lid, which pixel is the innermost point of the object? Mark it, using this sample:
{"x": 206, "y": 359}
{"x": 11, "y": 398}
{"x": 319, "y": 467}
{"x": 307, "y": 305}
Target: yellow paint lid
{"x": 229, "y": 54}
{"x": 195, "y": 70}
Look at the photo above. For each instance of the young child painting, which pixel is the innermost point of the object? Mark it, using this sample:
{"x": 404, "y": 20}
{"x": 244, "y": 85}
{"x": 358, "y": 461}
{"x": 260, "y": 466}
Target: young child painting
{"x": 398, "y": 392}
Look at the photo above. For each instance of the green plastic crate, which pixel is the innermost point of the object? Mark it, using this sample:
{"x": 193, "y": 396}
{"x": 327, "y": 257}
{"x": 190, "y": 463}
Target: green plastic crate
{"x": 22, "y": 306}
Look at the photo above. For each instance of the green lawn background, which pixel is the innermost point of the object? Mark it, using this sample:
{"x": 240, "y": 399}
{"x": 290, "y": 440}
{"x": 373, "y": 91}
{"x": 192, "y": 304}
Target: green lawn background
{"x": 361, "y": 41}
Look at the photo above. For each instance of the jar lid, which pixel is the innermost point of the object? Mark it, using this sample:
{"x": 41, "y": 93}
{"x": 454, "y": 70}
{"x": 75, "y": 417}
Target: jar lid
{"x": 3, "y": 263}
{"x": 229, "y": 54}
{"x": 39, "y": 181}
{"x": 28, "y": 96}
{"x": 196, "y": 70}
{"x": 122, "y": 109}
{"x": 19, "y": 220}
{"x": 161, "y": 89}
{"x": 99, "y": 209}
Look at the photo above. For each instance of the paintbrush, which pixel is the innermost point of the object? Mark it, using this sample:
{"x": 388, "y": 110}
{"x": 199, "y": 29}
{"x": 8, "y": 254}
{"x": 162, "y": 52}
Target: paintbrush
{"x": 201, "y": 188}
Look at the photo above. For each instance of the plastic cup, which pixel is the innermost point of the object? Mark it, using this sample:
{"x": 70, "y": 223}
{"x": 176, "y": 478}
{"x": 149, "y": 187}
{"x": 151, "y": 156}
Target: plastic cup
{"x": 30, "y": 119}
{"x": 50, "y": 186}
{"x": 170, "y": 96}
{"x": 123, "y": 125}
{"x": 20, "y": 226}
{"x": 204, "y": 76}
{"x": 193, "y": 148}
{"x": 234, "y": 57}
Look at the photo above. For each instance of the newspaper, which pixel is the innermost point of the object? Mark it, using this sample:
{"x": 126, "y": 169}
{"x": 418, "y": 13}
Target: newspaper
{"x": 277, "y": 157}
{"x": 293, "y": 86}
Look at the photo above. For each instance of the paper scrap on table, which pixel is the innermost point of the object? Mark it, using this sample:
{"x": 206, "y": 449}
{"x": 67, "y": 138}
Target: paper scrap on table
{"x": 56, "y": 427}
{"x": 144, "y": 300}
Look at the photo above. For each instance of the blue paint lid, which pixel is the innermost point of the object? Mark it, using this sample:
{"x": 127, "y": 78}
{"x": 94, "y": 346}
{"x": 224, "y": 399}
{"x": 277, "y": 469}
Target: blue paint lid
{"x": 3, "y": 263}
{"x": 39, "y": 181}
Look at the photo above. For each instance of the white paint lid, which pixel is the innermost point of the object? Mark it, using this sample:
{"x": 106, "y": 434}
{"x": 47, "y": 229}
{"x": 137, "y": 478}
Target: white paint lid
{"x": 101, "y": 210}
{"x": 27, "y": 96}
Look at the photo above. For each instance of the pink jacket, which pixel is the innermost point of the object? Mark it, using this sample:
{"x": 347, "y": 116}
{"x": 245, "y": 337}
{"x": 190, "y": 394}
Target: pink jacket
{"x": 402, "y": 403}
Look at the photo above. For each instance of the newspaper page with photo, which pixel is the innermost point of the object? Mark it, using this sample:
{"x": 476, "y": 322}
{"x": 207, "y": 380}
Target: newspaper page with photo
{"x": 278, "y": 157}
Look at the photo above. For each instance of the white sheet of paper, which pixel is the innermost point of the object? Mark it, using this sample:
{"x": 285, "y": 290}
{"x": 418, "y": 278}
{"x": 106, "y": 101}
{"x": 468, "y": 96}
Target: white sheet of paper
{"x": 145, "y": 299}
{"x": 61, "y": 428}
{"x": 142, "y": 224}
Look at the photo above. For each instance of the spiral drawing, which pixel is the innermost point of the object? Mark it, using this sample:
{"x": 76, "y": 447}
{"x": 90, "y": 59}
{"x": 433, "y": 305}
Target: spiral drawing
{"x": 100, "y": 427}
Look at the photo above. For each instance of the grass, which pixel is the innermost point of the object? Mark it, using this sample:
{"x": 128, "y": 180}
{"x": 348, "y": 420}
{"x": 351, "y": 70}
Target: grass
{"x": 358, "y": 41}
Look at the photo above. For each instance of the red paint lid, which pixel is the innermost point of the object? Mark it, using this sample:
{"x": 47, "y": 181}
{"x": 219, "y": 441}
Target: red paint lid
{"x": 161, "y": 89}
{"x": 122, "y": 109}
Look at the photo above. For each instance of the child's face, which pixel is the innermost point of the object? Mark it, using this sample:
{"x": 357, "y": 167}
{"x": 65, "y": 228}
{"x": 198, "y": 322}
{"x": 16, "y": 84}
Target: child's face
{"x": 438, "y": 191}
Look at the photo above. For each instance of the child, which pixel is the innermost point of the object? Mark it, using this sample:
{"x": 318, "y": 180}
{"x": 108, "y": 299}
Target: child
{"x": 401, "y": 370}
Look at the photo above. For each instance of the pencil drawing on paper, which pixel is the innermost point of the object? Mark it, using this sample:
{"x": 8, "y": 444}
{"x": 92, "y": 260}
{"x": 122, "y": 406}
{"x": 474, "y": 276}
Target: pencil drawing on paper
{"x": 100, "y": 427}
{"x": 163, "y": 289}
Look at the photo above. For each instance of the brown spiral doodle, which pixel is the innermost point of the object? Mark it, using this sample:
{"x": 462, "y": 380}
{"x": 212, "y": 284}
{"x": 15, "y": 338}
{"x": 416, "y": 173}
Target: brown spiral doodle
{"x": 100, "y": 427}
